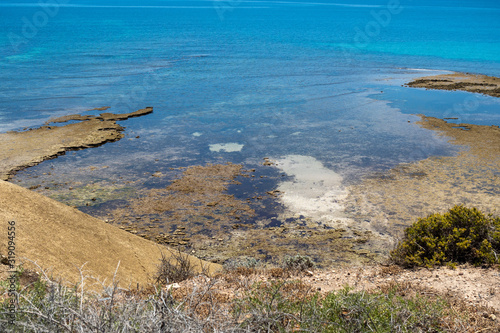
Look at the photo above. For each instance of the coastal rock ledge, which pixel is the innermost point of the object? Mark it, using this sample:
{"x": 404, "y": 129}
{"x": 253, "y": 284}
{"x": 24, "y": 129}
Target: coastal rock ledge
{"x": 27, "y": 148}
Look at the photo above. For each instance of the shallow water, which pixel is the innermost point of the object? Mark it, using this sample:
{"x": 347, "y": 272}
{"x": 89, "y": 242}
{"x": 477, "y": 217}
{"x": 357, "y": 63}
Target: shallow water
{"x": 242, "y": 80}
{"x": 239, "y": 81}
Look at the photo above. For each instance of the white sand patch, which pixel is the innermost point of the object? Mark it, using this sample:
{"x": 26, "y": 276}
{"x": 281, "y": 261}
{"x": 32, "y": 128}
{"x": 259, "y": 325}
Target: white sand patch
{"x": 315, "y": 192}
{"x": 428, "y": 70}
{"x": 226, "y": 147}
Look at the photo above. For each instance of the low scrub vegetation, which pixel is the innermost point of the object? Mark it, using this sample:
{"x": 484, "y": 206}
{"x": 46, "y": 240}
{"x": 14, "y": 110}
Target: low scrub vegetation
{"x": 462, "y": 235}
{"x": 278, "y": 302}
{"x": 273, "y": 305}
{"x": 290, "y": 307}
{"x": 297, "y": 263}
{"x": 173, "y": 268}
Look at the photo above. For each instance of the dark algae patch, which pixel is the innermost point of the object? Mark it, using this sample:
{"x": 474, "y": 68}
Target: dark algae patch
{"x": 197, "y": 213}
{"x": 198, "y": 193}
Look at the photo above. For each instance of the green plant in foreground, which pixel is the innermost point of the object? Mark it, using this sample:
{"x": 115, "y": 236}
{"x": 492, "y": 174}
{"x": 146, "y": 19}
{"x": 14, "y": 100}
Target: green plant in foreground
{"x": 273, "y": 307}
{"x": 462, "y": 235}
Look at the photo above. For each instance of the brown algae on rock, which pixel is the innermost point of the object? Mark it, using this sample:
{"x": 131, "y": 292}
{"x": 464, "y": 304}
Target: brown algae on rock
{"x": 392, "y": 201}
{"x": 199, "y": 192}
{"x": 196, "y": 213}
{"x": 196, "y": 201}
{"x": 475, "y": 83}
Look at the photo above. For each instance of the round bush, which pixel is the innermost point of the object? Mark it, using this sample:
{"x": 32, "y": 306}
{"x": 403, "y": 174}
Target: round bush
{"x": 462, "y": 235}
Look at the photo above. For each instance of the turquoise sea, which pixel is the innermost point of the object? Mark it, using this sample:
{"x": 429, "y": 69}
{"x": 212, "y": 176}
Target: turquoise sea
{"x": 241, "y": 80}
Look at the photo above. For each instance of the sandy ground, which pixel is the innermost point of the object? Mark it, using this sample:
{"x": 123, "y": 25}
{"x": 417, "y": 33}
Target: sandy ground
{"x": 314, "y": 191}
{"x": 482, "y": 84}
{"x": 478, "y": 286}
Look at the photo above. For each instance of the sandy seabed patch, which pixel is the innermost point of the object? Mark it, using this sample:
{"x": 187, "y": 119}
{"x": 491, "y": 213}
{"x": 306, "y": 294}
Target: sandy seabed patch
{"x": 230, "y": 147}
{"x": 315, "y": 191}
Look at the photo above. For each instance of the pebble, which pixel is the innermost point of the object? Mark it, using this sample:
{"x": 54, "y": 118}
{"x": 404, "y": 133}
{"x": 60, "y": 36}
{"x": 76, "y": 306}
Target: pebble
{"x": 172, "y": 286}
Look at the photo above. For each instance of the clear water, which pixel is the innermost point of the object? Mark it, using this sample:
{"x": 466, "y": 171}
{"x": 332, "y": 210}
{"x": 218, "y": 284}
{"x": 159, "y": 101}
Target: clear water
{"x": 319, "y": 78}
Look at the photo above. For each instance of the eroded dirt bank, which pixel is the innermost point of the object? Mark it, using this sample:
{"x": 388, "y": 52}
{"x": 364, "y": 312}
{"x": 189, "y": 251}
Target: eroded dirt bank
{"x": 23, "y": 149}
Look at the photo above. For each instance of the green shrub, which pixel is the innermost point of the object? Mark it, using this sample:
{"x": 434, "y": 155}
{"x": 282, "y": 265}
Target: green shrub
{"x": 297, "y": 263}
{"x": 462, "y": 235}
{"x": 243, "y": 262}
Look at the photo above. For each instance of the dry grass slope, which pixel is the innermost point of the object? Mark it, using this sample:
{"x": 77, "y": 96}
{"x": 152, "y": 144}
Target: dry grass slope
{"x": 62, "y": 238}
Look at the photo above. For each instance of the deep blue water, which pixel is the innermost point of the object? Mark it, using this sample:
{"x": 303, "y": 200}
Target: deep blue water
{"x": 315, "y": 78}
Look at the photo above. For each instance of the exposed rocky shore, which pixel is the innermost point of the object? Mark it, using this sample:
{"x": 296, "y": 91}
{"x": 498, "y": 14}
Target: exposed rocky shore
{"x": 27, "y": 148}
{"x": 482, "y": 84}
